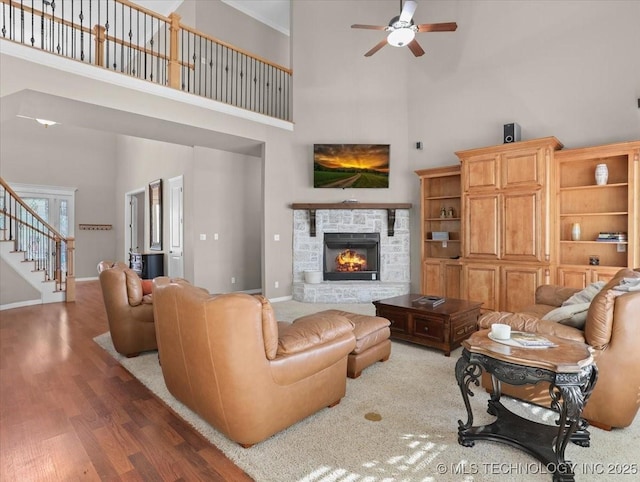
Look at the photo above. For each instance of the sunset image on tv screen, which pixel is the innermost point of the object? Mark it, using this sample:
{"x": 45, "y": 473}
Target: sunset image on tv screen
{"x": 351, "y": 165}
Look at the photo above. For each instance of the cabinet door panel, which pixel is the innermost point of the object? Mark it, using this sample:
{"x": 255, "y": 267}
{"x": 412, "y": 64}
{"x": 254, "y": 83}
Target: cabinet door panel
{"x": 522, "y": 226}
{"x": 574, "y": 277}
{"x": 522, "y": 168}
{"x": 481, "y": 284}
{"x": 481, "y": 173}
{"x": 603, "y": 274}
{"x": 452, "y": 281}
{"x": 518, "y": 287}
{"x": 481, "y": 230}
{"x": 432, "y": 278}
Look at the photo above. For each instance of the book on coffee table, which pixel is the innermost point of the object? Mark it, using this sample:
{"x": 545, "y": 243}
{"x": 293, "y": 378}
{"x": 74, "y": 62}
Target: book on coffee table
{"x": 530, "y": 339}
{"x": 429, "y": 300}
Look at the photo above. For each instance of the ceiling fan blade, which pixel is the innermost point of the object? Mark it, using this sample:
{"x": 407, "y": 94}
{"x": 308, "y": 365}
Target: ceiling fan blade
{"x": 408, "y": 10}
{"x": 438, "y": 27}
{"x": 369, "y": 27}
{"x": 415, "y": 48}
{"x": 378, "y": 46}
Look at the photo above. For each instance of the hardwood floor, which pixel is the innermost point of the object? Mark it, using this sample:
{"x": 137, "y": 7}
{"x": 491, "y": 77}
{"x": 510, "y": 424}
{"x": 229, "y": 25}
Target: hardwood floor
{"x": 69, "y": 411}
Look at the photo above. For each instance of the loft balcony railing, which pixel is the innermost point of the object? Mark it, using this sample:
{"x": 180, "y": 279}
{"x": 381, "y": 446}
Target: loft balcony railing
{"x": 123, "y": 37}
{"x": 49, "y": 251}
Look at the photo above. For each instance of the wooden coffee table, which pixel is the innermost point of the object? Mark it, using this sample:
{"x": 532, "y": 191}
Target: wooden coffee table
{"x": 568, "y": 367}
{"x": 443, "y": 327}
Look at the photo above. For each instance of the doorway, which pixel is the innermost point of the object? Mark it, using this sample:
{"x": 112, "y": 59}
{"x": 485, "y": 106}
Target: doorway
{"x": 134, "y": 222}
{"x": 176, "y": 212}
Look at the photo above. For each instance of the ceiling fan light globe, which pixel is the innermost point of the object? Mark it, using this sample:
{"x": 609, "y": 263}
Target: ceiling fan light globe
{"x": 401, "y": 37}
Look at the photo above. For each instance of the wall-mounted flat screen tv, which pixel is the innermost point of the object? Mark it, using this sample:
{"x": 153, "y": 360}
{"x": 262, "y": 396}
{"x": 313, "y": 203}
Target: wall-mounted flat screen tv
{"x": 351, "y": 165}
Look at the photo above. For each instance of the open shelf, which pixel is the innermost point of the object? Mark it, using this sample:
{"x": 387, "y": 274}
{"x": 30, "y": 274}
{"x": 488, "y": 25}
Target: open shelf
{"x": 597, "y": 208}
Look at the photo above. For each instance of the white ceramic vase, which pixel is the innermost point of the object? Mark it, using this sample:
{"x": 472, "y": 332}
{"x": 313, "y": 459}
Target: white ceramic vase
{"x": 575, "y": 232}
{"x": 602, "y": 174}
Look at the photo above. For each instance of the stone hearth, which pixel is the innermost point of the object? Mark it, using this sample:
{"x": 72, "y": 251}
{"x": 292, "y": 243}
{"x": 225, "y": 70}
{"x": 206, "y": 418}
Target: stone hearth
{"x": 308, "y": 252}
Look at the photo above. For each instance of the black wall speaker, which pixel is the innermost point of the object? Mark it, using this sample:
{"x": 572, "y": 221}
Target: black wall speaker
{"x": 511, "y": 133}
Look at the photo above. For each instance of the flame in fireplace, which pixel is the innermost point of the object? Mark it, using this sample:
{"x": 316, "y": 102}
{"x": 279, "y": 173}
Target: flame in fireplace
{"x": 351, "y": 260}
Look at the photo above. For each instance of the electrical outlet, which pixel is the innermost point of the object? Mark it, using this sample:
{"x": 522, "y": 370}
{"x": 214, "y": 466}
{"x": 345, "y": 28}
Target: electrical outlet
{"x": 621, "y": 248}
{"x": 276, "y": 285}
{"x": 203, "y": 237}
{"x": 276, "y": 237}
{"x": 233, "y": 281}
{"x": 215, "y": 236}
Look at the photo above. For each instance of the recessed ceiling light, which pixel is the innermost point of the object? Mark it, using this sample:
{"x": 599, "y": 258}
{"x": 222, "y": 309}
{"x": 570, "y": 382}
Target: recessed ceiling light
{"x": 46, "y": 122}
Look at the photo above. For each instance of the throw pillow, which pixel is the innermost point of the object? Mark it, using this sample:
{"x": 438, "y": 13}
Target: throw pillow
{"x": 572, "y": 315}
{"x": 585, "y": 295}
{"x": 147, "y": 286}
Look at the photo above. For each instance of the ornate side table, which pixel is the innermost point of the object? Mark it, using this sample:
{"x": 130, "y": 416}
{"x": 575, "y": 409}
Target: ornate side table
{"x": 572, "y": 374}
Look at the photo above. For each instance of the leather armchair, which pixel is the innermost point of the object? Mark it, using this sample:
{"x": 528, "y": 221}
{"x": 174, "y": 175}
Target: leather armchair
{"x": 612, "y": 329}
{"x": 229, "y": 360}
{"x": 129, "y": 312}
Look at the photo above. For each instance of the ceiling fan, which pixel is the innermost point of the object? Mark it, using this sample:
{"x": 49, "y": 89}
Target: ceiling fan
{"x": 402, "y": 30}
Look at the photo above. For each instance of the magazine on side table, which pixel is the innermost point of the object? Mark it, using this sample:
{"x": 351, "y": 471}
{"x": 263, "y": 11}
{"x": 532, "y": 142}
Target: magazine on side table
{"x": 523, "y": 339}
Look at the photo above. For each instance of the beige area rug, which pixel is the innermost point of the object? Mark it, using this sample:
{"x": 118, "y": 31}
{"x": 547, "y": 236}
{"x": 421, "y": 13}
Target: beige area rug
{"x": 416, "y": 395}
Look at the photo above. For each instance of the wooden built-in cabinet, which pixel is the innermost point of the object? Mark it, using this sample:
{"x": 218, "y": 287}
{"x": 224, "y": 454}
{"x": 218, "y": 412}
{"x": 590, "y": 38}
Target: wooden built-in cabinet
{"x": 441, "y": 211}
{"x": 507, "y": 213}
{"x": 609, "y": 208}
{"x": 518, "y": 203}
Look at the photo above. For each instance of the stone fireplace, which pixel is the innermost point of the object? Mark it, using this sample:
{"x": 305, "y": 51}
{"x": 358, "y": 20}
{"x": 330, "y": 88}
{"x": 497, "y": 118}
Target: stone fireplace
{"x": 378, "y": 232}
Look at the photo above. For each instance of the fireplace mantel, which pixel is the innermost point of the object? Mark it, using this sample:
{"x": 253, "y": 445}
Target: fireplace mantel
{"x": 313, "y": 207}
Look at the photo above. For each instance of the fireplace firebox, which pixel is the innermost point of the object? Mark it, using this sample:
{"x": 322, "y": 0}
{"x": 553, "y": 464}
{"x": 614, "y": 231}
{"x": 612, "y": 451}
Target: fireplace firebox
{"x": 351, "y": 256}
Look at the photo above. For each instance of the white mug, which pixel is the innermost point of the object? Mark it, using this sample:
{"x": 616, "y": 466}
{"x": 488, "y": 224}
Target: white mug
{"x": 500, "y": 331}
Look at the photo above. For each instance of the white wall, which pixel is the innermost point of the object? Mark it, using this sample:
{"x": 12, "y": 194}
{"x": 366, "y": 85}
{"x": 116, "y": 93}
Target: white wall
{"x": 227, "y": 202}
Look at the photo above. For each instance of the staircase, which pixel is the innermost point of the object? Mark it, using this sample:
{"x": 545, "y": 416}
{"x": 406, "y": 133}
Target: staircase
{"x": 35, "y": 250}
{"x": 27, "y": 270}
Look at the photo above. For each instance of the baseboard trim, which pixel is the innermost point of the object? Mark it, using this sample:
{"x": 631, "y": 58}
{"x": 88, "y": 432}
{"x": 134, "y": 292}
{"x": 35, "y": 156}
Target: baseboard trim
{"x": 20, "y": 304}
{"x": 282, "y": 298}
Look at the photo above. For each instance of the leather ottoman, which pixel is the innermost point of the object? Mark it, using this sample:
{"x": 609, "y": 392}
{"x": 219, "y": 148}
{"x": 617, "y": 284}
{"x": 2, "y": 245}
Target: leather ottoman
{"x": 372, "y": 341}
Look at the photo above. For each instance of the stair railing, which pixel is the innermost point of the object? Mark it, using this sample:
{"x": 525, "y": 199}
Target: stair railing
{"x": 51, "y": 253}
{"x": 124, "y": 37}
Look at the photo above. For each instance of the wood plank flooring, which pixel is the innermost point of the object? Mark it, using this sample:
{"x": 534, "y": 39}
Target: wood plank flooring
{"x": 69, "y": 411}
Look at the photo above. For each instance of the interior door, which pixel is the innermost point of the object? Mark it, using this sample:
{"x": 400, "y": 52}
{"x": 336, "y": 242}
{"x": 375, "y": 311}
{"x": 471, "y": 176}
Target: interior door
{"x": 176, "y": 259}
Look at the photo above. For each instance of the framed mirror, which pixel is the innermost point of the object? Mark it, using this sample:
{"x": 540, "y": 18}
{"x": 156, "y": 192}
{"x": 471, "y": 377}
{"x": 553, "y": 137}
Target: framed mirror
{"x": 155, "y": 218}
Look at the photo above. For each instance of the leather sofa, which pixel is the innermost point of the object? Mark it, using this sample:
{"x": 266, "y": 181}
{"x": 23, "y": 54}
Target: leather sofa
{"x": 612, "y": 329}
{"x": 249, "y": 376}
{"x": 129, "y": 310}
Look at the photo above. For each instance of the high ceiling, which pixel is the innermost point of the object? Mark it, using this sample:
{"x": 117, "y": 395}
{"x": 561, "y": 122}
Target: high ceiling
{"x": 275, "y": 13}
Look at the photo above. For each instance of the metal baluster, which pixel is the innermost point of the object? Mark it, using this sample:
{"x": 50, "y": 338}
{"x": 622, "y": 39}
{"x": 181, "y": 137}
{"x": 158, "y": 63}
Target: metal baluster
{"x": 81, "y": 31}
{"x": 106, "y": 35}
{"x": 206, "y": 64}
{"x": 194, "y": 58}
{"x": 22, "y": 23}
{"x": 73, "y": 32}
{"x": 145, "y": 46}
{"x": 89, "y": 47}
{"x": 182, "y": 82}
{"x": 217, "y": 71}
{"x": 130, "y": 41}
{"x": 4, "y": 19}
{"x": 226, "y": 80}
{"x": 115, "y": 35}
{"x": 151, "y": 44}
{"x": 122, "y": 31}
{"x": 138, "y": 56}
